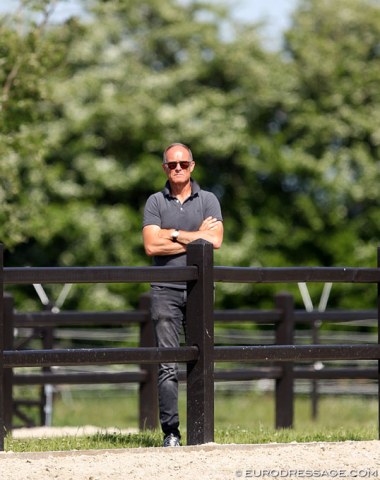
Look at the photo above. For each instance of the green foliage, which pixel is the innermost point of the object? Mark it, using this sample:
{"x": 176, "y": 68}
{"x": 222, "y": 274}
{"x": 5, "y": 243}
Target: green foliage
{"x": 25, "y": 59}
{"x": 331, "y": 126}
{"x": 288, "y": 141}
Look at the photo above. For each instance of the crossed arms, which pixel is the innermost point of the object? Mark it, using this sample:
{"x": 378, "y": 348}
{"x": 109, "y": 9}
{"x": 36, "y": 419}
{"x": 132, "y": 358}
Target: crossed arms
{"x": 158, "y": 241}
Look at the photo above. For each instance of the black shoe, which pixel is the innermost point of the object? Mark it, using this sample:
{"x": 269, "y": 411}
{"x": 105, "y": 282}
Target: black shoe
{"x": 172, "y": 440}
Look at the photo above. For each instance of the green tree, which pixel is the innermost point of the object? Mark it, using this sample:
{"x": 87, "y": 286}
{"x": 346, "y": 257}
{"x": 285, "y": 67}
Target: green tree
{"x": 287, "y": 140}
{"x": 331, "y": 134}
{"x": 313, "y": 164}
{"x": 26, "y": 58}
{"x": 137, "y": 76}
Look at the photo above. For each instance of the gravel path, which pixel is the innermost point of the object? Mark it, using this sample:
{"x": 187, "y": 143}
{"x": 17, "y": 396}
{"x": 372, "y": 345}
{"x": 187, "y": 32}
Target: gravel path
{"x": 205, "y": 462}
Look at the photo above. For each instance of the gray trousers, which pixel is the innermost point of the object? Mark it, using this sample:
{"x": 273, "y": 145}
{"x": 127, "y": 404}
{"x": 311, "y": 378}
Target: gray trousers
{"x": 168, "y": 314}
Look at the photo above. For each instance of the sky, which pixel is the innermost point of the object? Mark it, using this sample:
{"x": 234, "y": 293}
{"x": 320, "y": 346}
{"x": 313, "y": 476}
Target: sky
{"x": 276, "y": 13}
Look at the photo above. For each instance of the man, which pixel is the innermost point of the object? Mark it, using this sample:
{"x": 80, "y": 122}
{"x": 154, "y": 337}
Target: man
{"x": 173, "y": 218}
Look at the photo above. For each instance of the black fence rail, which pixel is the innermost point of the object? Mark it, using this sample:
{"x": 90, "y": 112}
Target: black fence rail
{"x": 200, "y": 353}
{"x": 42, "y": 325}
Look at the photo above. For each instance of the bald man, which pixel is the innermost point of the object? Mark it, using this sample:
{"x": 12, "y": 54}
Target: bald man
{"x": 174, "y": 217}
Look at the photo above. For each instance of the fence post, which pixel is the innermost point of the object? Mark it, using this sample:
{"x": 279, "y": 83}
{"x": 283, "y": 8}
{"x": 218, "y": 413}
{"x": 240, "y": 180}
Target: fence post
{"x": 314, "y": 383}
{"x": 200, "y": 332}
{"x": 378, "y": 340}
{"x": 8, "y": 373}
{"x": 148, "y": 396}
{"x": 46, "y": 393}
{"x": 285, "y": 384}
{"x": 2, "y": 403}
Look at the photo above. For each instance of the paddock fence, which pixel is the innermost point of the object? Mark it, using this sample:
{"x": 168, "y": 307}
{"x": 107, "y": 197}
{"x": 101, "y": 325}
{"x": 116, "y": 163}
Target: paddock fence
{"x": 199, "y": 354}
{"x": 52, "y": 328}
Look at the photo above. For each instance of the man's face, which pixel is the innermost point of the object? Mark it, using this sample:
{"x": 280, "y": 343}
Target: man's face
{"x": 178, "y": 165}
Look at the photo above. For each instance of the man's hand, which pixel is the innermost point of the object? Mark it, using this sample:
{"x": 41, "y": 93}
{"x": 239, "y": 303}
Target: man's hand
{"x": 209, "y": 223}
{"x": 210, "y": 229}
{"x": 159, "y": 241}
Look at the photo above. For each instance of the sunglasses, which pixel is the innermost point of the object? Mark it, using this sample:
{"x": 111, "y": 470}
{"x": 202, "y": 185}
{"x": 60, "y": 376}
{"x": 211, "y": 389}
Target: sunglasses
{"x": 172, "y": 165}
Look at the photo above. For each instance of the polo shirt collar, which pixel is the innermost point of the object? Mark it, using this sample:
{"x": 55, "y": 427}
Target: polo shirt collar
{"x": 195, "y": 188}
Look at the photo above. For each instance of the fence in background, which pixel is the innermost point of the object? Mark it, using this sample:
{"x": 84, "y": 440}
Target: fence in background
{"x": 44, "y": 326}
{"x": 41, "y": 325}
{"x": 199, "y": 354}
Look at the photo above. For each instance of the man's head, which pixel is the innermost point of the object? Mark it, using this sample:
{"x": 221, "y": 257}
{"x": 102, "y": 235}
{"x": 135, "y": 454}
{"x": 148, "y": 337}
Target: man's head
{"x": 179, "y": 150}
{"x": 178, "y": 162}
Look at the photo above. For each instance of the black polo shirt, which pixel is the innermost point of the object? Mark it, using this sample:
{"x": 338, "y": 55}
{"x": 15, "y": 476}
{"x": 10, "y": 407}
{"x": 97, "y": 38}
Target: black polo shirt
{"x": 166, "y": 211}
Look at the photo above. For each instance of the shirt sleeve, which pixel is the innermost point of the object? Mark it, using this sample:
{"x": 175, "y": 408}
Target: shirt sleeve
{"x": 152, "y": 212}
{"x": 211, "y": 206}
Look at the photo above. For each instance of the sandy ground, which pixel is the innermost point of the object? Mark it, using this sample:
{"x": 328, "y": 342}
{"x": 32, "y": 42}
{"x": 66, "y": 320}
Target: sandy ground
{"x": 204, "y": 462}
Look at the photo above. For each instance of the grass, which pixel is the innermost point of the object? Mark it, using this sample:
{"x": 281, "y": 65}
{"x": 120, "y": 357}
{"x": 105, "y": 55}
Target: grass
{"x": 246, "y": 417}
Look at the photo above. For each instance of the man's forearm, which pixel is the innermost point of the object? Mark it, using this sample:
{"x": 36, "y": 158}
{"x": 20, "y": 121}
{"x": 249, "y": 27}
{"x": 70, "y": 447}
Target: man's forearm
{"x": 160, "y": 242}
{"x": 213, "y": 236}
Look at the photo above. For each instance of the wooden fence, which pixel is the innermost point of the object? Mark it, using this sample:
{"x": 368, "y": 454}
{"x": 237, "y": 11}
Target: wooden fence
{"x": 43, "y": 326}
{"x": 200, "y": 353}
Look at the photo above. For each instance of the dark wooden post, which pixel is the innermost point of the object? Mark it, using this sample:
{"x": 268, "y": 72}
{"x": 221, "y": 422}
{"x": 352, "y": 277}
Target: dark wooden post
{"x": 200, "y": 332}
{"x": 378, "y": 340}
{"x": 285, "y": 384}
{"x": 314, "y": 383}
{"x": 47, "y": 334}
{"x": 148, "y": 395}
{"x": 2, "y": 403}
{"x": 8, "y": 372}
